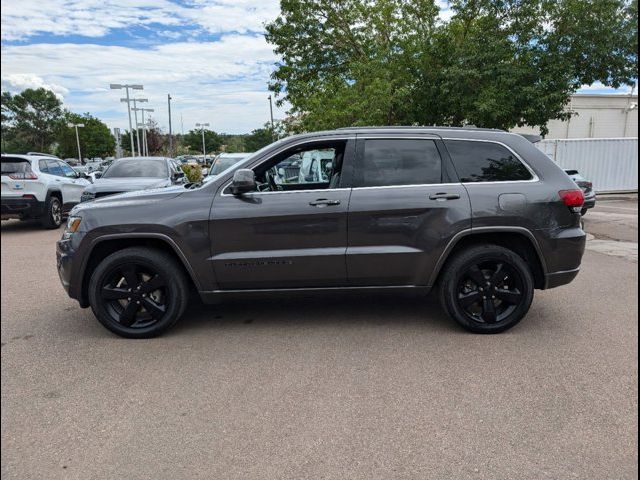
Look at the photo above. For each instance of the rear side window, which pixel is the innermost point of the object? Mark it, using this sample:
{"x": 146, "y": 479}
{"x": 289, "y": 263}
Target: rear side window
{"x": 485, "y": 162}
{"x": 42, "y": 165}
{"x": 388, "y": 162}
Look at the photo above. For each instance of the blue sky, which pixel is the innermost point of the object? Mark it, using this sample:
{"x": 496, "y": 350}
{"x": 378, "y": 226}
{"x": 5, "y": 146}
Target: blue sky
{"x": 210, "y": 55}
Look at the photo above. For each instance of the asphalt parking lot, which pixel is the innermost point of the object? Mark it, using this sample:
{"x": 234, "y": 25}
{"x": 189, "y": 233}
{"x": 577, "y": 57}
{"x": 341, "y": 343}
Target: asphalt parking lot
{"x": 367, "y": 387}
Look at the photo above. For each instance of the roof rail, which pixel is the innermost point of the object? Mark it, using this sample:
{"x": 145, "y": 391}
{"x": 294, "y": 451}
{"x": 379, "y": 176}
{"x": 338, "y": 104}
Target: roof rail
{"x": 43, "y": 154}
{"x": 420, "y": 127}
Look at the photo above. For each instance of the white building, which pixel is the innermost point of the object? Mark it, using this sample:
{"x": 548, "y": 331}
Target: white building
{"x": 596, "y": 116}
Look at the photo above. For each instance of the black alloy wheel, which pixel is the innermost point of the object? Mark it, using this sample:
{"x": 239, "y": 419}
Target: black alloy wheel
{"x": 486, "y": 288}
{"x": 138, "y": 292}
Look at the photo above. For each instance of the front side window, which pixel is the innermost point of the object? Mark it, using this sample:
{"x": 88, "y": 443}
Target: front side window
{"x": 389, "y": 162}
{"x": 67, "y": 171}
{"x": 137, "y": 168}
{"x": 485, "y": 162}
{"x": 54, "y": 168}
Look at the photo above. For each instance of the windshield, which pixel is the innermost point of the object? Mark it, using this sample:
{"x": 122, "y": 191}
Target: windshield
{"x": 223, "y": 163}
{"x": 137, "y": 168}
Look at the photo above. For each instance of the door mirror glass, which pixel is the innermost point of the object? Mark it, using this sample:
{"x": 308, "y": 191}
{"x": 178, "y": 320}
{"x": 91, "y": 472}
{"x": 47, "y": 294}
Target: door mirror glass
{"x": 244, "y": 180}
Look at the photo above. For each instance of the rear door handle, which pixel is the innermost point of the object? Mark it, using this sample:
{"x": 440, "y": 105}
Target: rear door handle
{"x": 323, "y": 202}
{"x": 444, "y": 196}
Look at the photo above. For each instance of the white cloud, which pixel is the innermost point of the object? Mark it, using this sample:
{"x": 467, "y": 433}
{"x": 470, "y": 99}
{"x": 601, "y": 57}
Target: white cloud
{"x": 17, "y": 82}
{"x": 598, "y": 87}
{"x": 222, "y": 82}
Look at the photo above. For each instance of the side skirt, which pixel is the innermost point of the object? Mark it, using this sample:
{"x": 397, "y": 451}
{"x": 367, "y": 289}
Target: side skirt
{"x": 217, "y": 296}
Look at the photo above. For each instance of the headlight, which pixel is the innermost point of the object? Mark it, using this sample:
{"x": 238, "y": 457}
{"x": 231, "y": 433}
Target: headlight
{"x": 73, "y": 223}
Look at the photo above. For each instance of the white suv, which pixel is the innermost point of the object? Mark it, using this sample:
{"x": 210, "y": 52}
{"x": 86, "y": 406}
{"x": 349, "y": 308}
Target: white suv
{"x": 38, "y": 186}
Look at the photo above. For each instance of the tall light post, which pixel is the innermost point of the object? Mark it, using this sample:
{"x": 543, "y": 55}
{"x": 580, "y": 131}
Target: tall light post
{"x": 204, "y": 149}
{"x": 135, "y": 117}
{"x": 76, "y": 125}
{"x": 273, "y": 131}
{"x": 118, "y": 86}
{"x": 145, "y": 149}
{"x": 170, "y": 132}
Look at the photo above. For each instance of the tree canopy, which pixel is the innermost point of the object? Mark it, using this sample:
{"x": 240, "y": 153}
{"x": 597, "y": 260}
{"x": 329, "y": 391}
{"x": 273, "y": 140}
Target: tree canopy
{"x": 30, "y": 120}
{"x": 194, "y": 140}
{"x": 493, "y": 64}
{"x": 95, "y": 137}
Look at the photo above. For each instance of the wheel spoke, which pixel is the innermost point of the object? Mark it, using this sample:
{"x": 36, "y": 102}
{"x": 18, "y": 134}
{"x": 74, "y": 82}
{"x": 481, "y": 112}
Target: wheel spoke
{"x": 488, "y": 311}
{"x": 155, "y": 309}
{"x": 476, "y": 275}
{"x": 500, "y": 275}
{"x": 468, "y": 299}
{"x": 128, "y": 315}
{"x": 114, "y": 293}
{"x": 152, "y": 284}
{"x": 512, "y": 297}
{"x": 130, "y": 276}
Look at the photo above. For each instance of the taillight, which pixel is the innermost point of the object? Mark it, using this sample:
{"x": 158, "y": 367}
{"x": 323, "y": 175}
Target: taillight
{"x": 574, "y": 199}
{"x": 23, "y": 176}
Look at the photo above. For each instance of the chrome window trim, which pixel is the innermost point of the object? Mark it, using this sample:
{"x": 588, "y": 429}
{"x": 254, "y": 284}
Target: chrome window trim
{"x": 251, "y": 194}
{"x": 534, "y": 175}
{"x": 449, "y": 184}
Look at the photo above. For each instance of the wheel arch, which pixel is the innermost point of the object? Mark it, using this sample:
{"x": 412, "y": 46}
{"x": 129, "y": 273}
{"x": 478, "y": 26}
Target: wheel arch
{"x": 518, "y": 239}
{"x": 54, "y": 192}
{"x": 109, "y": 244}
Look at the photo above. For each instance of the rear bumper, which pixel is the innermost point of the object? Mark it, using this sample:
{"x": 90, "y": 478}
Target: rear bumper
{"x": 557, "y": 279}
{"x": 563, "y": 250}
{"x": 20, "y": 207}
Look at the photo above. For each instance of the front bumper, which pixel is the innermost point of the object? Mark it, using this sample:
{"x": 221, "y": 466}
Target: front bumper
{"x": 21, "y": 207}
{"x": 68, "y": 269}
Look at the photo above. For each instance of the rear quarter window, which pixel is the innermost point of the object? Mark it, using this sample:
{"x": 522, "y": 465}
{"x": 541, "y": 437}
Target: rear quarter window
{"x": 485, "y": 162}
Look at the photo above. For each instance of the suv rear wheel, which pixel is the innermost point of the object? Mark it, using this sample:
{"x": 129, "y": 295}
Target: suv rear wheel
{"x": 138, "y": 292}
{"x": 486, "y": 289}
{"x": 52, "y": 213}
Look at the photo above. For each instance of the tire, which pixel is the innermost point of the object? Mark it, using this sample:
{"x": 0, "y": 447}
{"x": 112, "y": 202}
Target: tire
{"x": 156, "y": 283}
{"x": 52, "y": 213}
{"x": 496, "y": 306}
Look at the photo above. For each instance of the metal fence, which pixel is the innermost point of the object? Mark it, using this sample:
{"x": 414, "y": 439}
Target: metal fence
{"x": 610, "y": 163}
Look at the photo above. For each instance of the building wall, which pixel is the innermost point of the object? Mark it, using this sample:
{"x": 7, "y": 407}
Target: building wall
{"x": 597, "y": 116}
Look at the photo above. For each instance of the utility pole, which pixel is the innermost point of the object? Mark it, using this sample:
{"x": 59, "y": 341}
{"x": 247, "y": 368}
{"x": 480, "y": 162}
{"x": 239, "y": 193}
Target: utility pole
{"x": 118, "y": 86}
{"x": 76, "y": 125}
{"x": 116, "y": 133}
{"x": 170, "y": 132}
{"x": 204, "y": 148}
{"x": 273, "y": 131}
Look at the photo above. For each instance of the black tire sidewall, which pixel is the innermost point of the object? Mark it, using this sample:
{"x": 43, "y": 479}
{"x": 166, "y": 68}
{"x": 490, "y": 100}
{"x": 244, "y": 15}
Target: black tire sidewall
{"x": 48, "y": 221}
{"x": 157, "y": 261}
{"x": 452, "y": 276}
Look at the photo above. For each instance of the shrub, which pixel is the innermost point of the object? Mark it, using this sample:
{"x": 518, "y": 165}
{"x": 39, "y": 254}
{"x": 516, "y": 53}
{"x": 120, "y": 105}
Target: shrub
{"x": 193, "y": 172}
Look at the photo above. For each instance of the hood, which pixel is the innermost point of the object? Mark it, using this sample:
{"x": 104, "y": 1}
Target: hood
{"x": 137, "y": 197}
{"x": 126, "y": 184}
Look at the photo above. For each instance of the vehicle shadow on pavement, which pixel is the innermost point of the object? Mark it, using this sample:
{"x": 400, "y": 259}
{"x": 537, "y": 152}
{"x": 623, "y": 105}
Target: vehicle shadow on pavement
{"x": 19, "y": 226}
{"x": 349, "y": 311}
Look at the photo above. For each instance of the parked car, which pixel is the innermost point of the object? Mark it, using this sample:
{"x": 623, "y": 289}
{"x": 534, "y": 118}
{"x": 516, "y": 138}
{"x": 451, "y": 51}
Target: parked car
{"x": 587, "y": 190}
{"x": 226, "y": 160}
{"x": 36, "y": 186}
{"x": 134, "y": 173}
{"x": 482, "y": 216}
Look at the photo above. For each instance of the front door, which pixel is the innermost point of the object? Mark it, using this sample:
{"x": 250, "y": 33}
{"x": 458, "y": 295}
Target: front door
{"x": 405, "y": 207}
{"x": 289, "y": 233}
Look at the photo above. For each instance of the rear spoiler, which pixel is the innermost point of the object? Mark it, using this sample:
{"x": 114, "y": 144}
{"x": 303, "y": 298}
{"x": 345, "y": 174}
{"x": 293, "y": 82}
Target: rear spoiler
{"x": 530, "y": 137}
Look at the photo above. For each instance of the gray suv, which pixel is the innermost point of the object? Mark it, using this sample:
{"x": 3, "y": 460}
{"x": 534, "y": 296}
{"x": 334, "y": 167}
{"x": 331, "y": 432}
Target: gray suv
{"x": 482, "y": 215}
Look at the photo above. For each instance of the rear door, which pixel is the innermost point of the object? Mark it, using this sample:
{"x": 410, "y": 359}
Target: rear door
{"x": 68, "y": 181}
{"x": 16, "y": 173}
{"x": 405, "y": 207}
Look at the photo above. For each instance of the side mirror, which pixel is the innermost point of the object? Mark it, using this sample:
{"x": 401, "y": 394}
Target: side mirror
{"x": 244, "y": 180}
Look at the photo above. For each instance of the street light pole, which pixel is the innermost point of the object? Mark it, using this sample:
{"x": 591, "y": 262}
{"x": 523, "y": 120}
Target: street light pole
{"x": 118, "y": 86}
{"x": 145, "y": 145}
{"x": 204, "y": 148}
{"x": 273, "y": 131}
{"x": 76, "y": 125}
{"x": 170, "y": 133}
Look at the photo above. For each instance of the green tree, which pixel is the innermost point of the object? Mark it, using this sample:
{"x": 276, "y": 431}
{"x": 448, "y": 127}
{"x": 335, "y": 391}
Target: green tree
{"x": 194, "y": 140}
{"x": 95, "y": 137}
{"x": 30, "y": 120}
{"x": 493, "y": 64}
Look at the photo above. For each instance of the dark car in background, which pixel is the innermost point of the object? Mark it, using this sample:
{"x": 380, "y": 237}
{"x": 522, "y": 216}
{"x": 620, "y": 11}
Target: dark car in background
{"x": 134, "y": 173}
{"x": 587, "y": 189}
{"x": 481, "y": 216}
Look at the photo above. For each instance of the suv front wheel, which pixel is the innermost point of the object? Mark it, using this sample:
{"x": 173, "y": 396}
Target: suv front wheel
{"x": 138, "y": 292}
{"x": 486, "y": 288}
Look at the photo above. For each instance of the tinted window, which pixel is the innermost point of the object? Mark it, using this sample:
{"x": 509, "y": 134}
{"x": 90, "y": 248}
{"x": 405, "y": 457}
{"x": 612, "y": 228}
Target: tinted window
{"x": 398, "y": 162}
{"x": 15, "y": 166}
{"x": 67, "y": 171}
{"x": 485, "y": 162}
{"x": 137, "y": 168}
{"x": 54, "y": 168}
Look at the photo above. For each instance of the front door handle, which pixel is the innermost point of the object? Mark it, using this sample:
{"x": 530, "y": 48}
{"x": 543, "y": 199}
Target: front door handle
{"x": 444, "y": 196}
{"x": 323, "y": 202}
